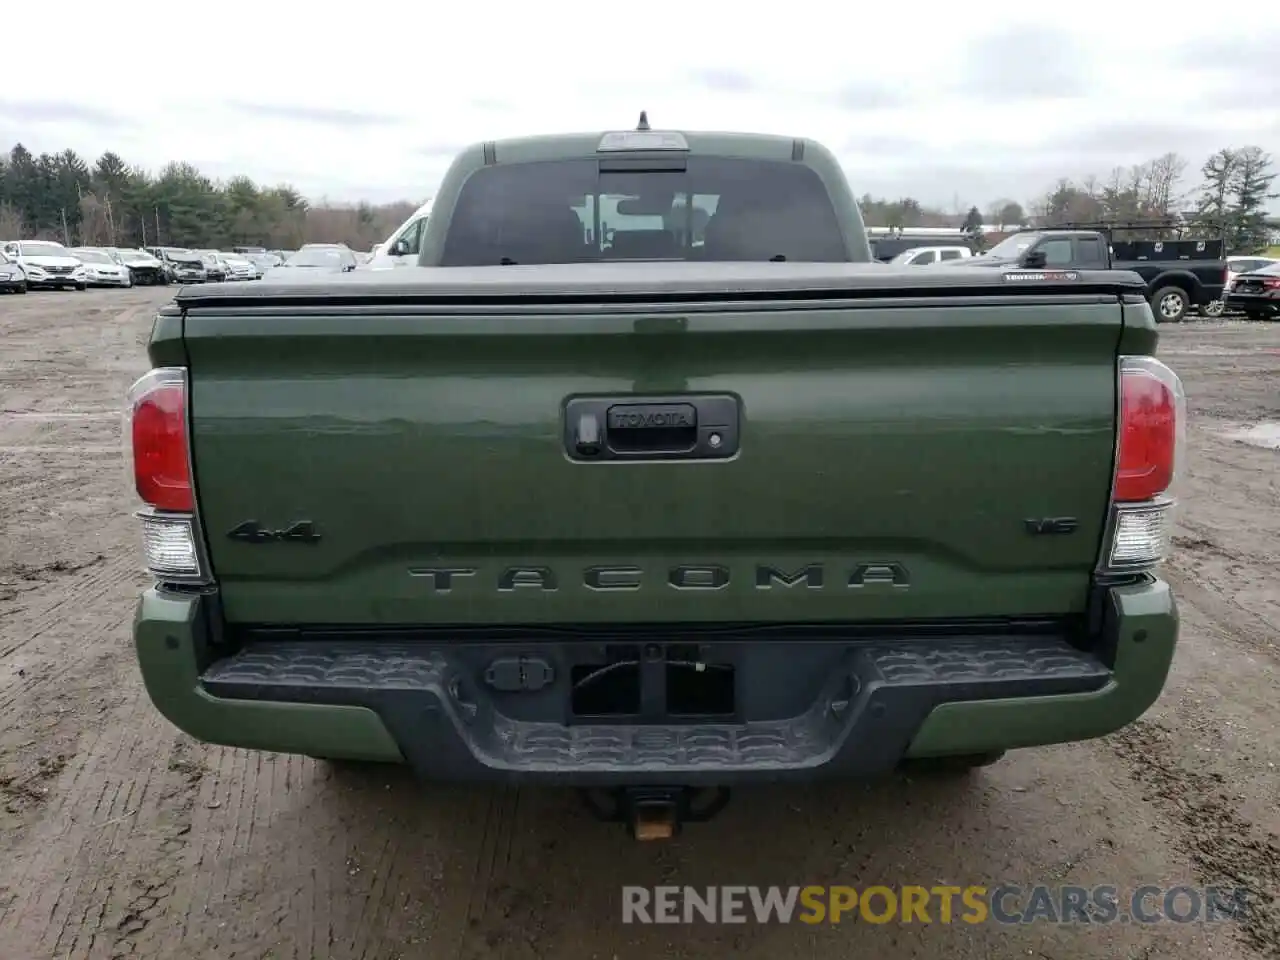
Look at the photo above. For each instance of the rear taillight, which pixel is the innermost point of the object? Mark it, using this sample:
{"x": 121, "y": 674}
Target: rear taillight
{"x": 157, "y": 440}
{"x": 1149, "y": 419}
{"x": 1271, "y": 283}
{"x": 1151, "y": 440}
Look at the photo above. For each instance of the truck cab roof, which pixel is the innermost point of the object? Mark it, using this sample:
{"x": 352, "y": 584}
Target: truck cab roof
{"x": 635, "y": 186}
{"x": 583, "y": 144}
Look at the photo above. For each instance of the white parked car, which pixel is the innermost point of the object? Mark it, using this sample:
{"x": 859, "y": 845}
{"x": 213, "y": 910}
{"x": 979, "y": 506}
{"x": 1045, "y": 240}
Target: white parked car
{"x": 101, "y": 269}
{"x": 238, "y": 268}
{"x": 47, "y": 264}
{"x": 920, "y": 256}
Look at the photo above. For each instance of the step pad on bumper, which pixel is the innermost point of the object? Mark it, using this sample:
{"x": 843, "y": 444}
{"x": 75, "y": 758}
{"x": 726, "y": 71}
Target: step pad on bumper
{"x": 861, "y": 720}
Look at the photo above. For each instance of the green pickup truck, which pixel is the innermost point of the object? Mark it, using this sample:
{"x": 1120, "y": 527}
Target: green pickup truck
{"x": 649, "y": 481}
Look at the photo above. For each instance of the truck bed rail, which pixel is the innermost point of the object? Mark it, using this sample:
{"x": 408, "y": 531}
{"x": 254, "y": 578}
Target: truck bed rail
{"x": 654, "y": 282}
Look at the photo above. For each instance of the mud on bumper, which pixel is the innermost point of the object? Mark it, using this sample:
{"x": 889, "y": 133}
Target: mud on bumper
{"x": 821, "y": 702}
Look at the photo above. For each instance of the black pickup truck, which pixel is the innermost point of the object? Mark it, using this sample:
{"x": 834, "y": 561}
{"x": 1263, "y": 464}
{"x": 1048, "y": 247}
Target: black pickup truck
{"x": 1179, "y": 274}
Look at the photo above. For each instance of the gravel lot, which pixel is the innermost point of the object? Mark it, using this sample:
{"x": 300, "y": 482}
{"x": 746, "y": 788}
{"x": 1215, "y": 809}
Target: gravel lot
{"x": 120, "y": 837}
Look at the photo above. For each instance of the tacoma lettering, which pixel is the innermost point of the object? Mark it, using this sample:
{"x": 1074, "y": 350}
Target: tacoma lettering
{"x": 685, "y": 576}
{"x": 810, "y": 576}
{"x": 866, "y": 574}
{"x": 513, "y": 578}
{"x": 693, "y": 577}
{"x": 612, "y": 578}
{"x": 442, "y": 577}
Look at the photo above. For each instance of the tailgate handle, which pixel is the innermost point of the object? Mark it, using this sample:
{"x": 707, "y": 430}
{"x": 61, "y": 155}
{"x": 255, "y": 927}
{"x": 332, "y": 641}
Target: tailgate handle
{"x": 652, "y": 427}
{"x": 689, "y": 427}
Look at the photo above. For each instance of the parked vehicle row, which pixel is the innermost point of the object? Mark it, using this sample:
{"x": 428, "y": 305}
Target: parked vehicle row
{"x": 1181, "y": 275}
{"x": 31, "y": 264}
{"x": 26, "y": 264}
{"x": 183, "y": 265}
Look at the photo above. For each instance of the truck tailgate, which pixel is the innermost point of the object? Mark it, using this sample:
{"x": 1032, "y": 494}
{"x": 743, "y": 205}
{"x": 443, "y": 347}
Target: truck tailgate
{"x": 897, "y": 461}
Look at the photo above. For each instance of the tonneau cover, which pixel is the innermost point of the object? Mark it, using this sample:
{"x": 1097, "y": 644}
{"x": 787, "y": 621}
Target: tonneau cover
{"x": 651, "y": 280}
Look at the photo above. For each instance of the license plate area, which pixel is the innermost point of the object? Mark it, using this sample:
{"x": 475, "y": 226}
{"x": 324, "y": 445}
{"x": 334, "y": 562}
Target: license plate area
{"x": 655, "y": 683}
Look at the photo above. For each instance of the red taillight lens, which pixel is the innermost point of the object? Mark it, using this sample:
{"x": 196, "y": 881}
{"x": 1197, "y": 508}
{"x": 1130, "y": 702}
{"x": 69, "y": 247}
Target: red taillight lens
{"x": 1271, "y": 283}
{"x": 1151, "y": 410}
{"x": 158, "y": 435}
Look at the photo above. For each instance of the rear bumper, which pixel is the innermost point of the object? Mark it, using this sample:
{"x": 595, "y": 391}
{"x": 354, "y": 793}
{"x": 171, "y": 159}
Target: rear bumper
{"x": 1254, "y": 303}
{"x": 872, "y": 703}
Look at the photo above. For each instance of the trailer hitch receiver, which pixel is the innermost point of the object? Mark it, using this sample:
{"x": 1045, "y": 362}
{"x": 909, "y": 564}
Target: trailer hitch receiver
{"x": 655, "y": 813}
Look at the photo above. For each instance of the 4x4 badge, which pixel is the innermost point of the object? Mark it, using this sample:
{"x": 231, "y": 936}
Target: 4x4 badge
{"x": 303, "y": 531}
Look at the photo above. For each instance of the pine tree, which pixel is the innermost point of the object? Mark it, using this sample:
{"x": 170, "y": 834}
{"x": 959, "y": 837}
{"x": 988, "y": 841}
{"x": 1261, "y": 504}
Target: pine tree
{"x": 1251, "y": 188}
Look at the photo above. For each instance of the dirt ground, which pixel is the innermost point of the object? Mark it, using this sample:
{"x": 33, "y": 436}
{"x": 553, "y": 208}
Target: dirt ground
{"x": 121, "y": 837}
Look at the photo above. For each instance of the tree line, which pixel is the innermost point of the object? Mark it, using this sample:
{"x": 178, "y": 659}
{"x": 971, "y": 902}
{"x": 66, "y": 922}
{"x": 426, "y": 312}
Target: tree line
{"x": 1229, "y": 199}
{"x": 109, "y": 202}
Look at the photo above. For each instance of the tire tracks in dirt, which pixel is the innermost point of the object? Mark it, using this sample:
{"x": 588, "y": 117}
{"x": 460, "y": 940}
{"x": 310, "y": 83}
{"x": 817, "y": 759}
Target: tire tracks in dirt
{"x": 123, "y": 805}
{"x": 1202, "y": 790}
{"x": 1225, "y": 848}
{"x": 69, "y": 691}
{"x": 31, "y": 577}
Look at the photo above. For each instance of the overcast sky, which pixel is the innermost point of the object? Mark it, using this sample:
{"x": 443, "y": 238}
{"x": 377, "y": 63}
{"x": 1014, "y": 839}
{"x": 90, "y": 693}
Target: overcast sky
{"x": 947, "y": 102}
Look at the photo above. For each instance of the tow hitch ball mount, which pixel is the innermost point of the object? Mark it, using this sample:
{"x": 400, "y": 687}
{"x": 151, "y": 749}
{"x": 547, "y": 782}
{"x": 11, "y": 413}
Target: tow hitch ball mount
{"x": 655, "y": 813}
